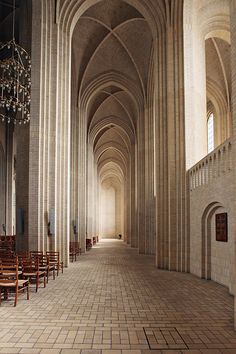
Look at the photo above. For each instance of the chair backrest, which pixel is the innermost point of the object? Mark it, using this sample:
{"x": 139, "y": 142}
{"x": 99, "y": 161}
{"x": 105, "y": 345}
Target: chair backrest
{"x": 22, "y": 257}
{"x": 41, "y": 259}
{"x": 36, "y": 253}
{"x": 7, "y": 260}
{"x": 53, "y": 256}
{"x": 23, "y": 254}
{"x": 30, "y": 265}
{"x": 9, "y": 271}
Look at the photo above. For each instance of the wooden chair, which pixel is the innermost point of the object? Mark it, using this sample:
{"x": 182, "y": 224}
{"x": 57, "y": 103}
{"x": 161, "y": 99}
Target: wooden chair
{"x": 73, "y": 253}
{"x": 54, "y": 259}
{"x": 44, "y": 265}
{"x": 30, "y": 269}
{"x": 36, "y": 253}
{"x": 6, "y": 253}
{"x": 9, "y": 280}
{"x": 88, "y": 244}
{"x": 51, "y": 268}
{"x": 77, "y": 247}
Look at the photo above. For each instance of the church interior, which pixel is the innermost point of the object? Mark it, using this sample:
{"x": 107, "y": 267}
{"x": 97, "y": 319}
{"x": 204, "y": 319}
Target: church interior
{"x": 117, "y": 176}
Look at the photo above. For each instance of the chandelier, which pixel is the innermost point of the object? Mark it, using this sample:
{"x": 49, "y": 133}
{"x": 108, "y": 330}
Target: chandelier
{"x": 15, "y": 81}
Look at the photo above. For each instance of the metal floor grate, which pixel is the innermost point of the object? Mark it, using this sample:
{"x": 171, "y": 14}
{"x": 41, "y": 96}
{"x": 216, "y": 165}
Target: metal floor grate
{"x": 164, "y": 338}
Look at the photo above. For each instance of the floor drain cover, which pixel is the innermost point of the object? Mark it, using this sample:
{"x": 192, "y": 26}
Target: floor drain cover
{"x": 164, "y": 338}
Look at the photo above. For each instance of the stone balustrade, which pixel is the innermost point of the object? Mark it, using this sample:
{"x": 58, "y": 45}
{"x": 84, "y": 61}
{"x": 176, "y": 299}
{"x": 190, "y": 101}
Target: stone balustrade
{"x": 216, "y": 164}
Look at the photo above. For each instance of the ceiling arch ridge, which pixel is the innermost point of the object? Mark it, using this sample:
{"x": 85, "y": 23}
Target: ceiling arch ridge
{"x": 118, "y": 159}
{"x": 113, "y": 33}
{"x": 116, "y": 180}
{"x": 109, "y": 170}
{"x": 122, "y": 134}
{"x": 114, "y": 95}
{"x": 222, "y": 65}
{"x": 108, "y": 121}
{"x": 215, "y": 95}
{"x": 105, "y": 162}
{"x": 114, "y": 78}
{"x": 153, "y": 11}
{"x": 111, "y": 166}
{"x": 116, "y": 176}
{"x": 215, "y": 91}
{"x": 151, "y": 78}
{"x": 112, "y": 145}
{"x": 115, "y": 148}
{"x": 119, "y": 163}
{"x": 119, "y": 102}
{"x": 217, "y": 26}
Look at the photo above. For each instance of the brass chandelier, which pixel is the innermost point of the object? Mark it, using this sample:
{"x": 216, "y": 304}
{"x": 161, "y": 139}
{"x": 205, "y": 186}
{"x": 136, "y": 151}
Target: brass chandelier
{"x": 15, "y": 81}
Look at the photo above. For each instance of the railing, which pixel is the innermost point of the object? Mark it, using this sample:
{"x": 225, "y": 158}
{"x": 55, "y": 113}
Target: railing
{"x": 212, "y": 166}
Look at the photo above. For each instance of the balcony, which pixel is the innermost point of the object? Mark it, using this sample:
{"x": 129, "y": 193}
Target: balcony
{"x": 214, "y": 165}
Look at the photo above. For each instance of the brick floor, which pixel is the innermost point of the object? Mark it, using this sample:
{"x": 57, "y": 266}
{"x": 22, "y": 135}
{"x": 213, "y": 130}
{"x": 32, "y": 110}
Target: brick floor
{"x": 114, "y": 301}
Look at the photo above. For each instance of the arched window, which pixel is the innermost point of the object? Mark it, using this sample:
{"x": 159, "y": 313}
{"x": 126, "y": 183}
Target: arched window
{"x": 210, "y": 133}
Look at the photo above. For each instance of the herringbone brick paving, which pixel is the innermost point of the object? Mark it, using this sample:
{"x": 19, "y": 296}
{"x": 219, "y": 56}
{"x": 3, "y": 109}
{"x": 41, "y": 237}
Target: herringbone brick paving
{"x": 114, "y": 301}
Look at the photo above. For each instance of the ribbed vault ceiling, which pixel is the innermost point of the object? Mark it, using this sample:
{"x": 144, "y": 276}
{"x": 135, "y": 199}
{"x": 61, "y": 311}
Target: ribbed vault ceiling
{"x": 218, "y": 66}
{"x": 111, "y": 38}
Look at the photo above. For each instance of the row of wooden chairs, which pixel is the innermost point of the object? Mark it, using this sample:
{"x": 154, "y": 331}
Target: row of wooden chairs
{"x": 9, "y": 279}
{"x": 8, "y": 242}
{"x": 75, "y": 250}
{"x": 95, "y": 240}
{"x": 90, "y": 242}
{"x": 18, "y": 271}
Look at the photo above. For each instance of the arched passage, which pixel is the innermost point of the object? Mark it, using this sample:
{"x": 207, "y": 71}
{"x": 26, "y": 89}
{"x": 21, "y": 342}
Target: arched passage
{"x": 113, "y": 59}
{"x": 206, "y": 238}
{"x": 110, "y": 98}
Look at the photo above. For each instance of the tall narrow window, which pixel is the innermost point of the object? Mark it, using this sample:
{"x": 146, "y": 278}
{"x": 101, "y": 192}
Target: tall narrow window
{"x": 210, "y": 133}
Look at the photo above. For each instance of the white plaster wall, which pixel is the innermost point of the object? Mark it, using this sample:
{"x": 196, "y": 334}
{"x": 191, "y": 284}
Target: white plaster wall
{"x": 108, "y": 212}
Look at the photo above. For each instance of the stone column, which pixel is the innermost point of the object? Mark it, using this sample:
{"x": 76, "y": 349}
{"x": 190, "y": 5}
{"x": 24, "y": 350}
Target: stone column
{"x": 82, "y": 178}
{"x": 9, "y": 179}
{"x": 74, "y": 172}
{"x": 22, "y": 133}
{"x": 50, "y": 128}
{"x": 149, "y": 169}
{"x": 133, "y": 226}
{"x": 90, "y": 193}
{"x": 140, "y": 173}
{"x": 233, "y": 68}
{"x": 171, "y": 170}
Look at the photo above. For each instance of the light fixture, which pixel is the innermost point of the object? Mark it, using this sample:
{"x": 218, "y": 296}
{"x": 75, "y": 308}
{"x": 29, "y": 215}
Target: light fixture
{"x": 15, "y": 81}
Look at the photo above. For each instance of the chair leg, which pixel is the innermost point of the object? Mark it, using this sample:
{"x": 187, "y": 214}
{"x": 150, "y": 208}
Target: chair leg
{"x": 16, "y": 296}
{"x": 5, "y": 294}
{"x": 0, "y": 296}
{"x": 37, "y": 282}
{"x": 44, "y": 279}
{"x": 28, "y": 290}
{"x": 54, "y": 274}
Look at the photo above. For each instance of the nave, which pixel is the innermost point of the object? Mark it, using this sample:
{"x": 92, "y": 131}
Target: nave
{"x": 115, "y": 301}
